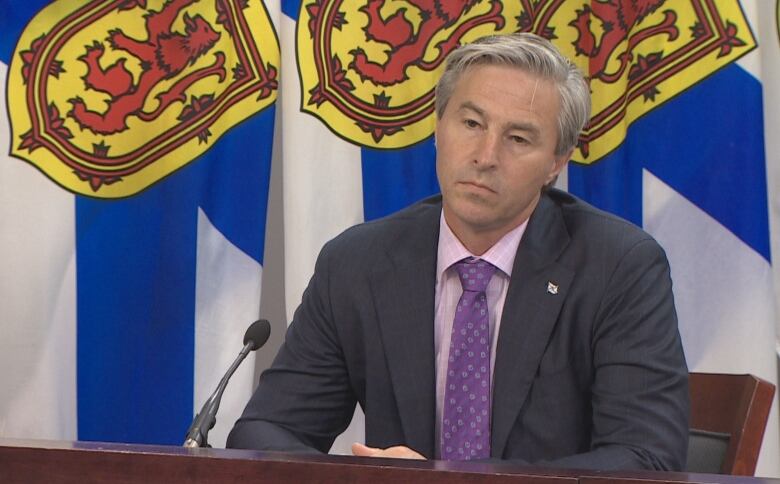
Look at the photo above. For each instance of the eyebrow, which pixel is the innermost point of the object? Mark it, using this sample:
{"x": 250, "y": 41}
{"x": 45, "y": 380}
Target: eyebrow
{"x": 471, "y": 107}
{"x": 530, "y": 128}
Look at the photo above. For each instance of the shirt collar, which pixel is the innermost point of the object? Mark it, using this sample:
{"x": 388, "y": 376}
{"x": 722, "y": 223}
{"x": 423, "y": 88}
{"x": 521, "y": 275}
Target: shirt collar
{"x": 502, "y": 254}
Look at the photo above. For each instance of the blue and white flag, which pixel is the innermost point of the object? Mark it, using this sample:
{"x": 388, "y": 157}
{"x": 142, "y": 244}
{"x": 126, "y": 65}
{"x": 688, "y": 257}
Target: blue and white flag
{"x": 692, "y": 171}
{"x": 134, "y": 170}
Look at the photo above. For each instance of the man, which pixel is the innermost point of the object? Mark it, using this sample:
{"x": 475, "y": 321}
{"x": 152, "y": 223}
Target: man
{"x": 501, "y": 320}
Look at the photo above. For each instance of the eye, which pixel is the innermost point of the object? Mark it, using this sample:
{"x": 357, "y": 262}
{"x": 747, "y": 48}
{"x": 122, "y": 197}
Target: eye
{"x": 518, "y": 139}
{"x": 471, "y": 123}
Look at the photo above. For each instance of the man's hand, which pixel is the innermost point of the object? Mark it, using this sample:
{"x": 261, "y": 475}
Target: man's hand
{"x": 397, "y": 452}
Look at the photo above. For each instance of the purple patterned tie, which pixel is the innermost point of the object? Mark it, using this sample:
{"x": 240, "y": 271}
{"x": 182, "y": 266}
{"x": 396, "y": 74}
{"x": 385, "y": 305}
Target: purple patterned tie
{"x": 465, "y": 429}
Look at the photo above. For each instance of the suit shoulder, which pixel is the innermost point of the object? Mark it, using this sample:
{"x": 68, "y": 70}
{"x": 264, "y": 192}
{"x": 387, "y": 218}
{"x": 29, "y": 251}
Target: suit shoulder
{"x": 584, "y": 221}
{"x": 408, "y": 223}
{"x": 580, "y": 215}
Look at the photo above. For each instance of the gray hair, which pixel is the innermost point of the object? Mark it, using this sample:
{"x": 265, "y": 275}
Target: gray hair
{"x": 534, "y": 55}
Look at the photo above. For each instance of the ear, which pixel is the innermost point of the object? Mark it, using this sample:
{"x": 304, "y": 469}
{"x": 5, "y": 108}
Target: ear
{"x": 558, "y": 164}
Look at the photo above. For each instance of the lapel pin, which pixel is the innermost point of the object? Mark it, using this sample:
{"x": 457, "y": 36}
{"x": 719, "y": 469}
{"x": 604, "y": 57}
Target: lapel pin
{"x": 552, "y": 288}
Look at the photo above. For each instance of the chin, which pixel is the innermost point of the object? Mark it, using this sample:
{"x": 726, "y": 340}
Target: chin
{"x": 471, "y": 210}
{"x": 475, "y": 219}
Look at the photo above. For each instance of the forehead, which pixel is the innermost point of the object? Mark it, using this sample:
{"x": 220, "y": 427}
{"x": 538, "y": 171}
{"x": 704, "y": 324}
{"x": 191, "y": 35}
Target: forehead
{"x": 507, "y": 86}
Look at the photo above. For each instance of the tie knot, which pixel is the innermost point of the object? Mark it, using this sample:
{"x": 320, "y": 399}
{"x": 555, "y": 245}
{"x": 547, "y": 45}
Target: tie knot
{"x": 474, "y": 273}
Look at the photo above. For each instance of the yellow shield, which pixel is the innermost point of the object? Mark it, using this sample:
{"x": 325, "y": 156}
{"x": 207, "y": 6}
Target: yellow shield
{"x": 368, "y": 69}
{"x": 108, "y": 97}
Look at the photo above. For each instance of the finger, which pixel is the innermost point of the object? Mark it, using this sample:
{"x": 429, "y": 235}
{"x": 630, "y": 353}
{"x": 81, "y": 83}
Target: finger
{"x": 402, "y": 452}
{"x": 361, "y": 450}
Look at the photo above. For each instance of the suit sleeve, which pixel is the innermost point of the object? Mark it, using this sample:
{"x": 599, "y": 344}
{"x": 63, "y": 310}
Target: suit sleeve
{"x": 304, "y": 400}
{"x": 640, "y": 399}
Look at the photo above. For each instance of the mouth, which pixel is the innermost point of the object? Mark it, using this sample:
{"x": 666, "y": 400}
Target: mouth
{"x": 477, "y": 186}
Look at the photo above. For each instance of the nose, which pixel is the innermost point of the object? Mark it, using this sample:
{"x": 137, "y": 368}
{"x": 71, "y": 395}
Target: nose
{"x": 486, "y": 155}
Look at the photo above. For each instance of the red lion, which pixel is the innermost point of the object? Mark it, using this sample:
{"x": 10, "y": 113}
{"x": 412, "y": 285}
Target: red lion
{"x": 408, "y": 47}
{"x": 164, "y": 55}
{"x": 617, "y": 17}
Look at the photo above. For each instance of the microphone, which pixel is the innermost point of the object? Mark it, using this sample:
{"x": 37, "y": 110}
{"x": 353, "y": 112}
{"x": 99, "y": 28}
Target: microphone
{"x": 197, "y": 435}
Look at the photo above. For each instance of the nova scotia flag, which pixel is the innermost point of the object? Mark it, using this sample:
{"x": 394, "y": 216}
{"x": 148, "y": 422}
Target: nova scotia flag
{"x": 129, "y": 272}
{"x": 693, "y": 172}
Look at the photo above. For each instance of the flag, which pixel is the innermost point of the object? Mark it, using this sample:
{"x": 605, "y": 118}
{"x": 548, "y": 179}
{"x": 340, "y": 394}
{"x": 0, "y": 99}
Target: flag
{"x": 675, "y": 145}
{"x": 689, "y": 166}
{"x": 340, "y": 166}
{"x": 134, "y": 176}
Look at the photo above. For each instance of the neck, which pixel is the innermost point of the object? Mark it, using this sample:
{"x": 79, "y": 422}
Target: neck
{"x": 479, "y": 239}
{"x": 477, "y": 244}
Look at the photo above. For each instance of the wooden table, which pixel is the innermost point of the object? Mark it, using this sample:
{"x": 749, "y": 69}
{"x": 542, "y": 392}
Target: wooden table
{"x": 53, "y": 462}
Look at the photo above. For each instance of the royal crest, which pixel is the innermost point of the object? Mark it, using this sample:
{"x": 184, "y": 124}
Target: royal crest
{"x": 640, "y": 53}
{"x": 108, "y": 97}
{"x": 368, "y": 69}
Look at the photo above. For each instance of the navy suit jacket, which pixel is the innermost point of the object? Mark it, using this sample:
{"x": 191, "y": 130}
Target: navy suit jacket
{"x": 589, "y": 376}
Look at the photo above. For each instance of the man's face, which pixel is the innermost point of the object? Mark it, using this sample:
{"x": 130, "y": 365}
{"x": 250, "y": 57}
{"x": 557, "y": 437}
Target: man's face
{"x": 496, "y": 149}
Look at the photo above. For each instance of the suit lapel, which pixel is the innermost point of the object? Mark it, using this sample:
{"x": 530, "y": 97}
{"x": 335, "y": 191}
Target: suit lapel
{"x": 403, "y": 288}
{"x": 536, "y": 293}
